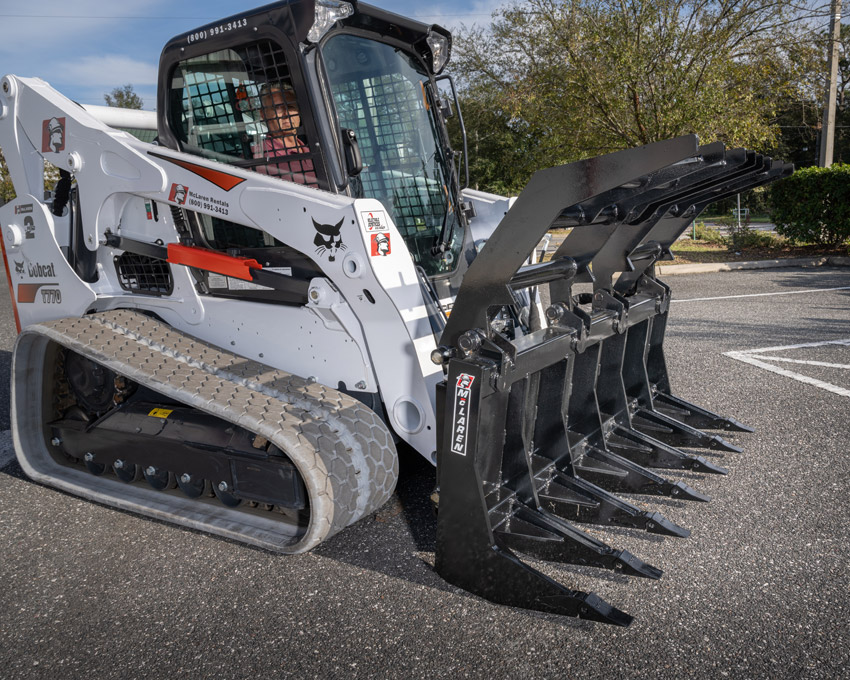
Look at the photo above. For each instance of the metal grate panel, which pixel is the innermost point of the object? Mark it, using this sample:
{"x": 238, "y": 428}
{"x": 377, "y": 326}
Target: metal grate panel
{"x": 145, "y": 275}
{"x": 238, "y": 105}
{"x": 386, "y": 113}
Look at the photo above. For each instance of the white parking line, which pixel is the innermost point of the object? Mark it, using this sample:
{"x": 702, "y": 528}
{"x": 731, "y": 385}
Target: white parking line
{"x": 807, "y": 363}
{"x": 749, "y": 295}
{"x": 756, "y": 357}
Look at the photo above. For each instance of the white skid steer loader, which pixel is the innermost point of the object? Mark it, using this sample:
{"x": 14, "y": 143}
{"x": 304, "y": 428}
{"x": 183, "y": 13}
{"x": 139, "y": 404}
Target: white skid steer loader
{"x": 231, "y": 328}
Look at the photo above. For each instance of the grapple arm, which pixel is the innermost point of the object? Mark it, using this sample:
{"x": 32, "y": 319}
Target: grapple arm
{"x": 538, "y": 426}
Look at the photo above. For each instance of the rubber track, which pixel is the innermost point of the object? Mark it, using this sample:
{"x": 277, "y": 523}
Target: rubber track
{"x": 342, "y": 449}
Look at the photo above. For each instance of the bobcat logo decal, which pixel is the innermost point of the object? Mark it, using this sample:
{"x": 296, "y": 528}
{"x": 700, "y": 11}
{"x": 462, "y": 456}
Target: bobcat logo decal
{"x": 19, "y": 267}
{"x": 328, "y": 239}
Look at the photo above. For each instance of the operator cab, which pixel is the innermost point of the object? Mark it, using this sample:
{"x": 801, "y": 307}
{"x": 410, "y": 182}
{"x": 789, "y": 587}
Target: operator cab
{"x": 339, "y": 96}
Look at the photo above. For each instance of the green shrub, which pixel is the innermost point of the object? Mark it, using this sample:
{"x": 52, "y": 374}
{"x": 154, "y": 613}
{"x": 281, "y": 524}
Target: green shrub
{"x": 813, "y": 205}
{"x": 746, "y": 238}
{"x": 703, "y": 233}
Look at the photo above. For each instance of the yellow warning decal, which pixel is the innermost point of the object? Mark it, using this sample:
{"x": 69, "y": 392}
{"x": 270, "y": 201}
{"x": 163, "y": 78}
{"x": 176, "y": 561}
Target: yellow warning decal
{"x": 161, "y": 413}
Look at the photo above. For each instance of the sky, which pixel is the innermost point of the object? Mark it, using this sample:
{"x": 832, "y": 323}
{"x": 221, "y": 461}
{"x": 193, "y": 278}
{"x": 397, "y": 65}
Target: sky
{"x": 86, "y": 48}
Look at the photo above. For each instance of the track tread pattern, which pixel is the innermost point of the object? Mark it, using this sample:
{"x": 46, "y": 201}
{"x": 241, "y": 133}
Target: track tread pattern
{"x": 341, "y": 447}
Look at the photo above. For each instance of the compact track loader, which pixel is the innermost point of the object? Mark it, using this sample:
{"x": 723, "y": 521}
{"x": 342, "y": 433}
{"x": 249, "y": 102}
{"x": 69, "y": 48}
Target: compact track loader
{"x": 232, "y": 327}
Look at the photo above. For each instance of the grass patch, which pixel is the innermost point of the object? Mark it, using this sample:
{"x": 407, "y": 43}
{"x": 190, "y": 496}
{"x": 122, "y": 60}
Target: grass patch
{"x": 738, "y": 246}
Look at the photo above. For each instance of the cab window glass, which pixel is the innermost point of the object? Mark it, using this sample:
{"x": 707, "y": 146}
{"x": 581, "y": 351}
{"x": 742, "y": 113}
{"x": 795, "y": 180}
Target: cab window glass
{"x": 239, "y": 106}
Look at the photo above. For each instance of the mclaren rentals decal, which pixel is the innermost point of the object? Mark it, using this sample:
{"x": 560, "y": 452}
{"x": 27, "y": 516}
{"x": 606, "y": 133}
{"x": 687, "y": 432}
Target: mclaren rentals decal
{"x": 328, "y": 239}
{"x": 23, "y": 209}
{"x": 183, "y": 195}
{"x": 53, "y": 135}
{"x": 223, "y": 180}
{"x": 380, "y": 245}
{"x": 460, "y": 422}
{"x": 375, "y": 221}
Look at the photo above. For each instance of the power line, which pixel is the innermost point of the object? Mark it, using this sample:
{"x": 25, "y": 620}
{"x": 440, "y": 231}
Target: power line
{"x": 152, "y": 18}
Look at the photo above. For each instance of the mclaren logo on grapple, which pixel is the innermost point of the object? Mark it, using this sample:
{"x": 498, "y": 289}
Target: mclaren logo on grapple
{"x": 328, "y": 239}
{"x": 460, "y": 426}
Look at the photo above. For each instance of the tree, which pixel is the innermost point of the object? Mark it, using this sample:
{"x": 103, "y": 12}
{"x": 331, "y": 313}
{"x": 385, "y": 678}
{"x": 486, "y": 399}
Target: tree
{"x": 7, "y": 191}
{"x": 594, "y": 76}
{"x": 124, "y": 98}
{"x": 800, "y": 115}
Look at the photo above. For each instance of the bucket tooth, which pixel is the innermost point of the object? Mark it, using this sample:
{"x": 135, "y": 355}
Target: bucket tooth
{"x": 531, "y": 532}
{"x": 679, "y": 434}
{"x": 556, "y": 492}
{"x": 695, "y": 416}
{"x": 644, "y": 450}
{"x": 633, "y": 478}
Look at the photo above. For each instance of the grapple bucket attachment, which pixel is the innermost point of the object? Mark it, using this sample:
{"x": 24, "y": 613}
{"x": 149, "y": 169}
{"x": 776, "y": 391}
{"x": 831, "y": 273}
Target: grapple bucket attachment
{"x": 540, "y": 421}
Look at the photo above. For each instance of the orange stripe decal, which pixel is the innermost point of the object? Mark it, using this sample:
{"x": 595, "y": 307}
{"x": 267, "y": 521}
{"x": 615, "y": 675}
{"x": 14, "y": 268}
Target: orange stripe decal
{"x": 208, "y": 260}
{"x": 11, "y": 287}
{"x": 27, "y": 291}
{"x": 222, "y": 180}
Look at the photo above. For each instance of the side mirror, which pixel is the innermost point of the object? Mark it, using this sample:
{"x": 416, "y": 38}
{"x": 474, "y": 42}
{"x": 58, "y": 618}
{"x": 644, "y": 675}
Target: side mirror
{"x": 353, "y": 160}
{"x": 445, "y": 106}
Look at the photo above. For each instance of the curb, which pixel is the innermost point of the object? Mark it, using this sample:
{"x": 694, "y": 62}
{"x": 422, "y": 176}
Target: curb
{"x": 708, "y": 267}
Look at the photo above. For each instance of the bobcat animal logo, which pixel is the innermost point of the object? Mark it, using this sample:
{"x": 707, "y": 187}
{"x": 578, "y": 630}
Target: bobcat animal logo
{"x": 328, "y": 239}
{"x": 19, "y": 267}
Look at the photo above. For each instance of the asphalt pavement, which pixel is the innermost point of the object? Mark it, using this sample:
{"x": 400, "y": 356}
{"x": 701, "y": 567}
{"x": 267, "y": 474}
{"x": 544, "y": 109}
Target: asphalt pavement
{"x": 760, "y": 589}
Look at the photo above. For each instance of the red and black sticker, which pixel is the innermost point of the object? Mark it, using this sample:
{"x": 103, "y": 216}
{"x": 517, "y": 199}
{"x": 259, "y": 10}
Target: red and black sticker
{"x": 53, "y": 135}
{"x": 380, "y": 244}
{"x": 179, "y": 193}
{"x": 460, "y": 421}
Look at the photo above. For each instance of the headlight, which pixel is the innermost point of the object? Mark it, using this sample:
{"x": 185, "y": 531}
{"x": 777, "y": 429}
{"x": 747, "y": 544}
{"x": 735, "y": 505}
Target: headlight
{"x": 439, "y": 45}
{"x": 328, "y": 12}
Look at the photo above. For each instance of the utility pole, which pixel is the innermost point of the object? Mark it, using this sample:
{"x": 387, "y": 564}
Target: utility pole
{"x": 828, "y": 134}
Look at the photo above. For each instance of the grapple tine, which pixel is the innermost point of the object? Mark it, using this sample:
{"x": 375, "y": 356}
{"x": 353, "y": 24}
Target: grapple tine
{"x": 600, "y": 507}
{"x": 500, "y": 576}
{"x": 649, "y": 452}
{"x": 672, "y": 431}
{"x": 536, "y": 534}
{"x": 636, "y": 479}
{"x": 695, "y": 416}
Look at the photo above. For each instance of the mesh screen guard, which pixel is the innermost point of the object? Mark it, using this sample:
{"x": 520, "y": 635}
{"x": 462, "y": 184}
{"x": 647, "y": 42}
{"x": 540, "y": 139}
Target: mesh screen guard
{"x": 381, "y": 93}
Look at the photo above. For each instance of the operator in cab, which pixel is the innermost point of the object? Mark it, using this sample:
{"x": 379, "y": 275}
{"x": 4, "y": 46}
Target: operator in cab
{"x": 286, "y": 156}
